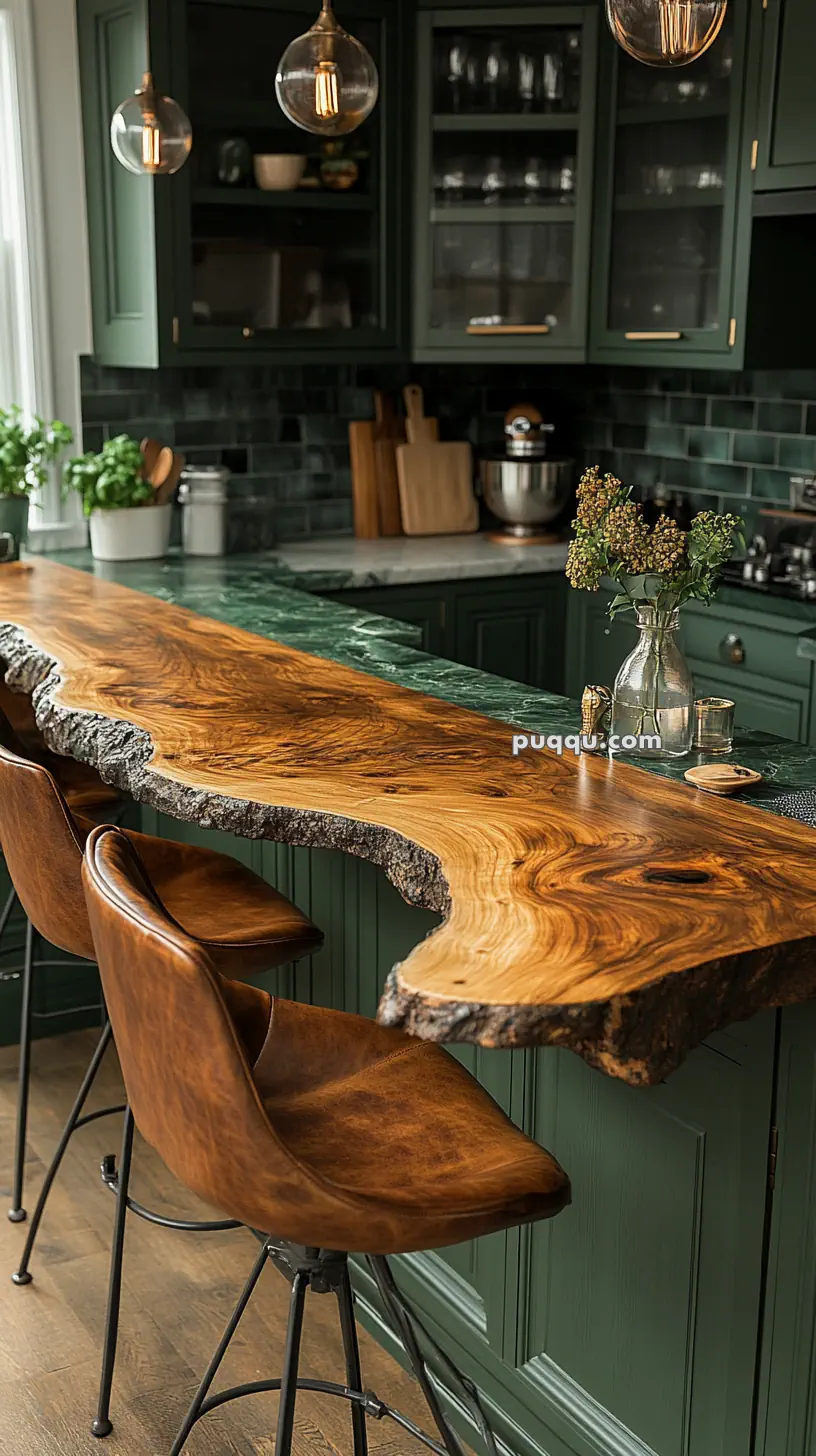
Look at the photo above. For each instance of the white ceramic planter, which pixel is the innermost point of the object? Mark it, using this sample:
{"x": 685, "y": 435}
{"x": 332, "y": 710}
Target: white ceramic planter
{"x": 137, "y": 533}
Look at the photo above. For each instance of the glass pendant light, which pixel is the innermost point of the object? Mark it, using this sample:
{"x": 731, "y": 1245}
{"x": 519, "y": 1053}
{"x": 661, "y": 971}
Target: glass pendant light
{"x": 150, "y": 134}
{"x": 327, "y": 82}
{"x": 665, "y": 32}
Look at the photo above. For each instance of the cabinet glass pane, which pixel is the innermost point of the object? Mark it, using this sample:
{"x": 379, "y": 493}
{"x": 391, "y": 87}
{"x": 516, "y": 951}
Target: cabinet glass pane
{"x": 304, "y": 252}
{"x": 501, "y": 274}
{"x": 527, "y": 168}
{"x": 670, "y": 178}
{"x": 530, "y": 69}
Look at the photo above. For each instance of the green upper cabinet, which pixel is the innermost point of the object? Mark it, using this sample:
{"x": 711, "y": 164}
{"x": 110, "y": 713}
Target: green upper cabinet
{"x": 121, "y": 207}
{"x": 207, "y": 264}
{"x": 786, "y": 135}
{"x": 503, "y": 197}
{"x": 672, "y": 215}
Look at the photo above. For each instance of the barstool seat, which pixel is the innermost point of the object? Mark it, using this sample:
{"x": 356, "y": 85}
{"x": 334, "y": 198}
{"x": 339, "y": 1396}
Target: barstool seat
{"x": 243, "y": 923}
{"x": 315, "y": 1128}
{"x": 412, "y": 1144}
{"x": 82, "y": 786}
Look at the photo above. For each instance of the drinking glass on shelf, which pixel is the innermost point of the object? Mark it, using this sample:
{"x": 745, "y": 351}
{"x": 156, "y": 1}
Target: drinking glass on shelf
{"x": 527, "y": 81}
{"x": 495, "y": 75}
{"x": 494, "y": 182}
{"x": 449, "y": 183}
{"x": 658, "y": 181}
{"x": 566, "y": 181}
{"x": 459, "y": 76}
{"x": 573, "y": 61}
{"x": 534, "y": 182}
{"x": 552, "y": 81}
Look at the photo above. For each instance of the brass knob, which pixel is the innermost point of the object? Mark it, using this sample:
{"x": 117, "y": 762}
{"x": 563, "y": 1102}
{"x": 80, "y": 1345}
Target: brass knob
{"x": 732, "y": 649}
{"x": 249, "y": 333}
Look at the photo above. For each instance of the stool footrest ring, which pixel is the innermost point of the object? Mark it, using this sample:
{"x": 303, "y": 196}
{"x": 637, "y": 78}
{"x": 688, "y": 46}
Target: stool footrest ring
{"x": 110, "y": 1178}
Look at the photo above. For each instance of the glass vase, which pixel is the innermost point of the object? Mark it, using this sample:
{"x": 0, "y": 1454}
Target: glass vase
{"x": 653, "y": 694}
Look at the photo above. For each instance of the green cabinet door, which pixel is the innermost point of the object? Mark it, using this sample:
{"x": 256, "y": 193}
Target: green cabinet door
{"x": 514, "y": 630}
{"x": 672, "y": 207}
{"x": 121, "y": 206}
{"x": 186, "y": 268}
{"x": 509, "y": 281}
{"x": 786, "y": 136}
{"x": 786, "y": 1424}
{"x": 596, "y": 647}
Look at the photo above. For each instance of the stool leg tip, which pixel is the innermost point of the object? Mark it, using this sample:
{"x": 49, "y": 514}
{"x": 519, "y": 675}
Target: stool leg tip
{"x": 21, "y": 1277}
{"x": 101, "y": 1427}
{"x": 17, "y": 1215}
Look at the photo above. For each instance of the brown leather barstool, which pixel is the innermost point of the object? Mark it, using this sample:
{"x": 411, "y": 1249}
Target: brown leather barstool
{"x": 244, "y": 925}
{"x": 84, "y": 792}
{"x": 319, "y": 1130}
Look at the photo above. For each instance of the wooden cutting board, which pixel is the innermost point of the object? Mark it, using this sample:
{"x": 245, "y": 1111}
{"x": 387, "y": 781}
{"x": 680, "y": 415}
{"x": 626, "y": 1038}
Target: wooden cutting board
{"x": 418, "y": 425}
{"x": 375, "y": 492}
{"x": 436, "y": 488}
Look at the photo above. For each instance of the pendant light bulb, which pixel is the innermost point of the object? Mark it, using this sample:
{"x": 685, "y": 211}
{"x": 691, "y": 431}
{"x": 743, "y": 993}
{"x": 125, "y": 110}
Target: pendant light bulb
{"x": 665, "y": 32}
{"x": 327, "y": 82}
{"x": 150, "y": 134}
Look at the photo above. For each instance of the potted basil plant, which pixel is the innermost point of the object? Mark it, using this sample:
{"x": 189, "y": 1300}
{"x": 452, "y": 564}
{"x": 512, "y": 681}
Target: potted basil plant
{"x": 125, "y": 522}
{"x": 26, "y": 451}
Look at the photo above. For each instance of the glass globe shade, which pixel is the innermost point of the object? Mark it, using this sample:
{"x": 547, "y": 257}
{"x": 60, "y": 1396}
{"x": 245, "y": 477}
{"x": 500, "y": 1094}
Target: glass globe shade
{"x": 150, "y": 134}
{"x": 665, "y": 32}
{"x": 327, "y": 82}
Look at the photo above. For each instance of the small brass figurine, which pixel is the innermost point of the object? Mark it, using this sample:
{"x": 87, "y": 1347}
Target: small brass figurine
{"x": 596, "y": 716}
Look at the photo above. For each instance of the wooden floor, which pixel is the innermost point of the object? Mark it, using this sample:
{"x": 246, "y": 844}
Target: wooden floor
{"x": 178, "y": 1292}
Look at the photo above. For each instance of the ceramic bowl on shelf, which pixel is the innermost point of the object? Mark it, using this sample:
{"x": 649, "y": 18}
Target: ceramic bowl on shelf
{"x": 278, "y": 172}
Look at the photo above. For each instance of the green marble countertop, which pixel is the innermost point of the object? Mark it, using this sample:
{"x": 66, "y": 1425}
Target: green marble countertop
{"x": 259, "y": 595}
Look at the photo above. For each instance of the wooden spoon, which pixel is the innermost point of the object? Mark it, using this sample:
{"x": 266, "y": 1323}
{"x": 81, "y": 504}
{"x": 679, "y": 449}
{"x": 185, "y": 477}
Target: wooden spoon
{"x": 164, "y": 491}
{"x": 151, "y": 450}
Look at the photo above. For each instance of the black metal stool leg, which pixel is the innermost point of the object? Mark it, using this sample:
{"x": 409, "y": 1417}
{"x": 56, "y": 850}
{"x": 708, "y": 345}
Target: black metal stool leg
{"x": 17, "y": 1213}
{"x": 212, "y": 1369}
{"x": 22, "y": 1275}
{"x": 102, "y": 1426}
{"x": 351, "y": 1349}
{"x": 7, "y": 909}
{"x": 291, "y": 1361}
{"x": 390, "y": 1296}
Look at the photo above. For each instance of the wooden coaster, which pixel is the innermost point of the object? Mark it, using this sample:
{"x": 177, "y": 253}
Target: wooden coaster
{"x": 543, "y": 538}
{"x": 722, "y": 778}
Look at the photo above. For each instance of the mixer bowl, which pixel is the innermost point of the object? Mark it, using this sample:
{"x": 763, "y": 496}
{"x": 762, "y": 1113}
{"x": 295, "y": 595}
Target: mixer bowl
{"x": 526, "y": 494}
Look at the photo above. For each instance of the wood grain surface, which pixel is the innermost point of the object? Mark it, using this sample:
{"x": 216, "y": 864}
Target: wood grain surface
{"x": 587, "y": 904}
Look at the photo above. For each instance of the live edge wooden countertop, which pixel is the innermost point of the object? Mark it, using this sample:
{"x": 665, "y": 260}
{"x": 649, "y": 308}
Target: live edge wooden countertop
{"x": 586, "y": 904}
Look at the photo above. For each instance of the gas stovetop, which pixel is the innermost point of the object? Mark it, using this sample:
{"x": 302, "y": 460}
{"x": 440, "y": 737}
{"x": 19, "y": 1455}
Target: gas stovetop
{"x": 796, "y": 588}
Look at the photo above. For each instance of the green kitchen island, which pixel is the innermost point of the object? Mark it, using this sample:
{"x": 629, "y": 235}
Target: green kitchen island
{"x": 671, "y": 1309}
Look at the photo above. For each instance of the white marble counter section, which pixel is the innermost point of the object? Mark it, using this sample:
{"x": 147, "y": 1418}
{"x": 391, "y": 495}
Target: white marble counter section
{"x": 397, "y": 560}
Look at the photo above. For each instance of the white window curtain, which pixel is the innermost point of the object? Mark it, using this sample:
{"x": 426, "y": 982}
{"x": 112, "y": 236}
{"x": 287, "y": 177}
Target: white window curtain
{"x": 25, "y": 356}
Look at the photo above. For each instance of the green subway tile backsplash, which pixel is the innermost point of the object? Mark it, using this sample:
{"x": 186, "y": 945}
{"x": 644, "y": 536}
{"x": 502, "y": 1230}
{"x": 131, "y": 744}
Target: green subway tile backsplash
{"x": 733, "y": 414}
{"x": 755, "y": 449}
{"x": 709, "y": 444}
{"x": 722, "y": 439}
{"x": 779, "y": 418}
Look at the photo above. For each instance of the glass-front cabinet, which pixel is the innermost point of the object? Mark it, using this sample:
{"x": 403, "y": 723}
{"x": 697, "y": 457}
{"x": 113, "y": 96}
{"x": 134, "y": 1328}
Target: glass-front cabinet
{"x": 270, "y": 241}
{"x": 282, "y": 239}
{"x": 666, "y": 229}
{"x": 504, "y": 182}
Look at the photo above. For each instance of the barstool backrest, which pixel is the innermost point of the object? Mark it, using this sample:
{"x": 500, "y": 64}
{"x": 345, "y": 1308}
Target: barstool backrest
{"x": 42, "y": 845}
{"x": 176, "y": 1023}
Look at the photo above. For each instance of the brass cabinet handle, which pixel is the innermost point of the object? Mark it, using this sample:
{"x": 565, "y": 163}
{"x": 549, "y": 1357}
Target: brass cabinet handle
{"x": 732, "y": 649}
{"x": 508, "y": 328}
{"x": 648, "y": 338}
{"x": 248, "y": 333}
